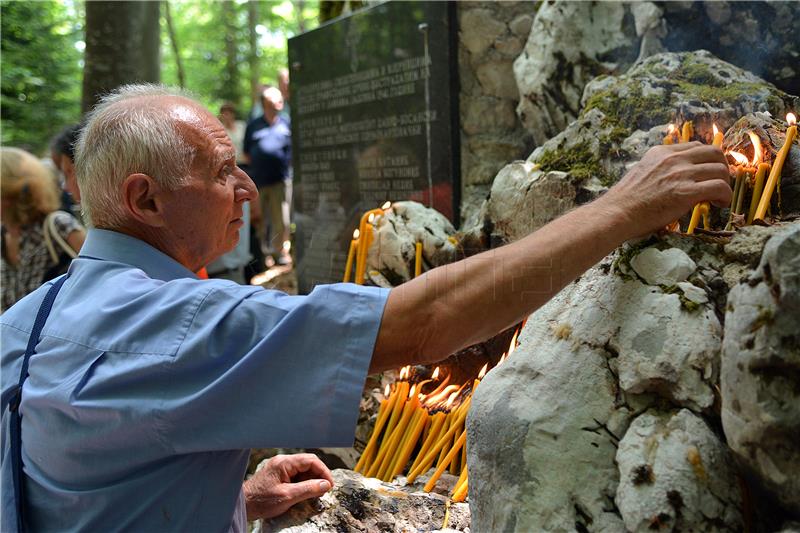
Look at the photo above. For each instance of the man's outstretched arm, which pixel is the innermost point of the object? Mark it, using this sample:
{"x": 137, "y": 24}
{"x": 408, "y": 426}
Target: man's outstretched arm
{"x": 456, "y": 305}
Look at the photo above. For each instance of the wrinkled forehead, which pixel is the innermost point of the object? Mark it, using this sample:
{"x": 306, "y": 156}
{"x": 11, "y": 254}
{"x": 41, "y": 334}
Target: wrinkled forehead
{"x": 202, "y": 130}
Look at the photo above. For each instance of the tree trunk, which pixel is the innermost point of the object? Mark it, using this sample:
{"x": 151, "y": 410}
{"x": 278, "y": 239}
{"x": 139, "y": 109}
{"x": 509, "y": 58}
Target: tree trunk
{"x": 230, "y": 88}
{"x": 255, "y": 65}
{"x": 175, "y": 48}
{"x": 122, "y": 46}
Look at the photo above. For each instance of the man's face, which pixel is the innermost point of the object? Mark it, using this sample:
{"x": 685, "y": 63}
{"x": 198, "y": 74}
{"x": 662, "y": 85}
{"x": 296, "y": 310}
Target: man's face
{"x": 272, "y": 102}
{"x": 204, "y": 216}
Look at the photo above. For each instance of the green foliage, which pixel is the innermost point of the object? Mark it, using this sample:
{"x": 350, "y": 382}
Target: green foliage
{"x": 578, "y": 160}
{"x": 201, "y": 28}
{"x": 41, "y": 81}
{"x": 42, "y": 57}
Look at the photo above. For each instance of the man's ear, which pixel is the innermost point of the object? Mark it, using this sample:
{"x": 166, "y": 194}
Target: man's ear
{"x": 143, "y": 199}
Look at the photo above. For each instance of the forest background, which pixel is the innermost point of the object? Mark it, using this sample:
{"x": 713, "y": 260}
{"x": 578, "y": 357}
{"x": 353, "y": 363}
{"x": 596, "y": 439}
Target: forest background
{"x": 59, "y": 56}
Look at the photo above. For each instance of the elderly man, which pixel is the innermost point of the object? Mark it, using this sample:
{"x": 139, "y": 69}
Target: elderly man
{"x": 148, "y": 386}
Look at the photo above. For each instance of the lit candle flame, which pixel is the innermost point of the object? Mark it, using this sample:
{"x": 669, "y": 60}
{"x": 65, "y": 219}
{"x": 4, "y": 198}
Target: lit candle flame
{"x": 715, "y": 129}
{"x": 386, "y": 390}
{"x": 435, "y": 375}
{"x": 371, "y": 218}
{"x": 502, "y": 359}
{"x": 435, "y": 399}
{"x": 791, "y": 119}
{"x": 739, "y": 157}
{"x": 483, "y": 371}
{"x": 412, "y": 391}
{"x": 450, "y": 400}
{"x": 386, "y": 205}
{"x": 513, "y": 345}
{"x": 671, "y": 129}
{"x": 756, "y": 148}
{"x": 356, "y": 233}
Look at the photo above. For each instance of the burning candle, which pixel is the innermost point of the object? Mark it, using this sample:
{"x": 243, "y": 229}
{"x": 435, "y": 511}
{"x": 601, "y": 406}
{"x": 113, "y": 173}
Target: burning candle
{"x": 739, "y": 188}
{"x": 427, "y": 461}
{"x": 777, "y": 168}
{"x": 758, "y": 187}
{"x": 387, "y": 453}
{"x": 433, "y": 434}
{"x": 669, "y": 137}
{"x": 418, "y": 260}
{"x": 703, "y": 208}
{"x": 363, "y": 248}
{"x": 350, "y": 254}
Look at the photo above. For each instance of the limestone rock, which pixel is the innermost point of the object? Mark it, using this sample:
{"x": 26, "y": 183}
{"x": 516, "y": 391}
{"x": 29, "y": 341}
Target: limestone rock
{"x": 392, "y": 253}
{"x": 544, "y": 425}
{"x": 364, "y": 504}
{"x": 676, "y": 474}
{"x": 663, "y": 267}
{"x": 761, "y": 368}
{"x": 561, "y": 57}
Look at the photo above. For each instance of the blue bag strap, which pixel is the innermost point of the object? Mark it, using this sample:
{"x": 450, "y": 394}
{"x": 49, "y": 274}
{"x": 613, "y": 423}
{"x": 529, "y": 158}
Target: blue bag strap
{"x": 15, "y": 431}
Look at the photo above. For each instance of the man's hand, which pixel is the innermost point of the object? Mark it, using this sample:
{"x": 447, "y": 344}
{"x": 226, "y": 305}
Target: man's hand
{"x": 284, "y": 481}
{"x": 668, "y": 182}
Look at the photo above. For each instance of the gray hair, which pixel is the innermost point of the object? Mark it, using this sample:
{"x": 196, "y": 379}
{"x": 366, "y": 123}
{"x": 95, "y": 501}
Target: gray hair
{"x": 120, "y": 140}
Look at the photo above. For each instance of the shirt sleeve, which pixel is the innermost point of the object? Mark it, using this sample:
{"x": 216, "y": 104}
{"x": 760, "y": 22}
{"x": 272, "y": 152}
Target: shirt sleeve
{"x": 264, "y": 369}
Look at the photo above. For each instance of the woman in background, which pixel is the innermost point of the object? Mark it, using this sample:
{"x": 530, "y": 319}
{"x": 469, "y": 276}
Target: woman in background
{"x": 38, "y": 240}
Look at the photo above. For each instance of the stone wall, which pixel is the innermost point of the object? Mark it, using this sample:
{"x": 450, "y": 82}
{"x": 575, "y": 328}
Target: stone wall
{"x": 491, "y": 36}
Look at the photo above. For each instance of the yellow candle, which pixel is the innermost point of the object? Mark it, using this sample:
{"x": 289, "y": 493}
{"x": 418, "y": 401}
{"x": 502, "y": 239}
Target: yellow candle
{"x": 687, "y": 130}
{"x": 740, "y": 176}
{"x": 461, "y": 478}
{"x": 418, "y": 260}
{"x": 383, "y": 415}
{"x": 433, "y": 434}
{"x": 350, "y": 253}
{"x": 703, "y": 208}
{"x": 363, "y": 249}
{"x": 758, "y": 187}
{"x": 427, "y": 461}
{"x": 401, "y": 392}
{"x": 460, "y": 493}
{"x": 449, "y": 457}
{"x": 397, "y": 435}
{"x": 405, "y": 454}
{"x": 402, "y": 442}
{"x": 777, "y": 168}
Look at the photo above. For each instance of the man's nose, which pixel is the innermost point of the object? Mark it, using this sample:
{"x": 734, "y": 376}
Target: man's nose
{"x": 245, "y": 190}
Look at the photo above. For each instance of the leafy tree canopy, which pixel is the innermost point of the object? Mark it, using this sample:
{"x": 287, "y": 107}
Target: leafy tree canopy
{"x": 42, "y": 57}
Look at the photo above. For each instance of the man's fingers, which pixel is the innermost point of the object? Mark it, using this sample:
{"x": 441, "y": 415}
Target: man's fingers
{"x": 306, "y": 465}
{"x": 718, "y": 192}
{"x": 304, "y": 490}
{"x": 704, "y": 153}
{"x": 682, "y": 147}
{"x": 711, "y": 171}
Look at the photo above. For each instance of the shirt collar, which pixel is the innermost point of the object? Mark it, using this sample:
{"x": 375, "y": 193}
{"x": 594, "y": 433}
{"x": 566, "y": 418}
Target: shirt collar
{"x": 107, "y": 245}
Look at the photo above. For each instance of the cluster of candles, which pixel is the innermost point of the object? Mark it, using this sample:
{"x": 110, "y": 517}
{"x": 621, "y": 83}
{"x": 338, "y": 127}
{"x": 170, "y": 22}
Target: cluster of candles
{"x": 415, "y": 430}
{"x": 362, "y": 240}
{"x": 749, "y": 175}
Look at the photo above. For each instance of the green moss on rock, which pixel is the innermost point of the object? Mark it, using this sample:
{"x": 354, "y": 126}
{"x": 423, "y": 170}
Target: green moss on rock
{"x": 579, "y": 161}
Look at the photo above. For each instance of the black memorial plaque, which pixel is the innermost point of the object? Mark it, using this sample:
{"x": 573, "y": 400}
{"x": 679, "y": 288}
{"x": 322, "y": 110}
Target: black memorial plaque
{"x": 374, "y": 111}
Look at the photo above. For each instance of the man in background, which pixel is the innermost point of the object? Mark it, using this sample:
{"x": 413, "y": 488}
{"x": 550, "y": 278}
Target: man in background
{"x": 268, "y": 152}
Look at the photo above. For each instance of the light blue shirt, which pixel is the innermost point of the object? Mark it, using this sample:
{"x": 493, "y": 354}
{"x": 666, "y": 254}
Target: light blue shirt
{"x": 149, "y": 386}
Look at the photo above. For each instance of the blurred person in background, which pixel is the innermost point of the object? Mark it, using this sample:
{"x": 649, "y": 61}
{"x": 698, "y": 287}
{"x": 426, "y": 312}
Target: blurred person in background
{"x": 268, "y": 152}
{"x": 62, "y": 152}
{"x": 38, "y": 240}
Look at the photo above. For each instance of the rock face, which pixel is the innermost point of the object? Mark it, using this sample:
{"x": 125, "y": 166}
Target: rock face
{"x": 490, "y": 36}
{"x": 561, "y": 57}
{"x": 676, "y": 474}
{"x": 364, "y": 504}
{"x": 392, "y": 253}
{"x": 760, "y": 378}
{"x": 606, "y": 417}
{"x": 622, "y": 117}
